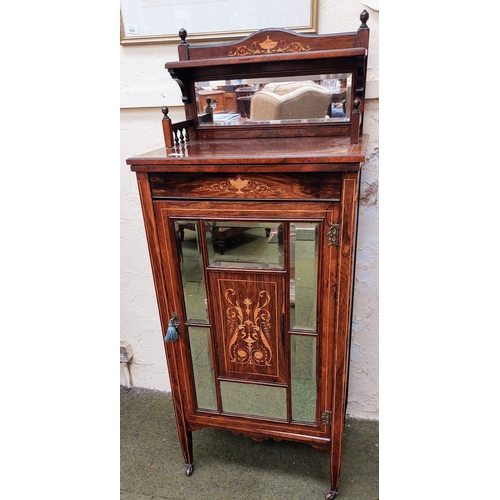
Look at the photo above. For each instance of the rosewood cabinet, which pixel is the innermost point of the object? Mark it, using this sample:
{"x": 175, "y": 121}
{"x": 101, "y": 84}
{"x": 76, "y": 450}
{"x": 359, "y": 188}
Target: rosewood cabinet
{"x": 251, "y": 228}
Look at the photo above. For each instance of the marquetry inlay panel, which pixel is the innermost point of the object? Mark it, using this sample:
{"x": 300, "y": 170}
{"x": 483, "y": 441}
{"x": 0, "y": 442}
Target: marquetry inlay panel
{"x": 249, "y": 325}
{"x": 249, "y": 328}
{"x": 243, "y": 186}
{"x": 269, "y": 46}
{"x": 239, "y": 185}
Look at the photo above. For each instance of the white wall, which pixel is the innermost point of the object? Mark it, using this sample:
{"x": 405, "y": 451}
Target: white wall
{"x": 145, "y": 87}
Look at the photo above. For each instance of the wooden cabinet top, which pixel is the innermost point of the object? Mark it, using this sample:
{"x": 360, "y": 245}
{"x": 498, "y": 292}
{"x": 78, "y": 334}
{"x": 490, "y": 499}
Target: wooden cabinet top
{"x": 289, "y": 154}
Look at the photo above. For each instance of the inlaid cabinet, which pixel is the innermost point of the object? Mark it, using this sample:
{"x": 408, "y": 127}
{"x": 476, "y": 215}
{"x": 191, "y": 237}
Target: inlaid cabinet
{"x": 251, "y": 228}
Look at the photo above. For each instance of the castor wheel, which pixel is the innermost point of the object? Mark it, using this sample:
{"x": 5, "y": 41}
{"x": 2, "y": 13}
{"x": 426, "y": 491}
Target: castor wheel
{"x": 189, "y": 469}
{"x": 330, "y": 495}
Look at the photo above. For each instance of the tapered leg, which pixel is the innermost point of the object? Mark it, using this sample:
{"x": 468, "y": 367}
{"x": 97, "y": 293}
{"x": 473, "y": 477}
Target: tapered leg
{"x": 188, "y": 457}
{"x": 185, "y": 435}
{"x": 335, "y": 454}
{"x": 186, "y": 442}
{"x": 334, "y": 477}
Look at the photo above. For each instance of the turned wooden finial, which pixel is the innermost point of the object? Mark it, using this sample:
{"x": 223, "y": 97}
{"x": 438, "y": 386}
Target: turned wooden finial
{"x": 355, "y": 121}
{"x": 363, "y": 17}
{"x": 166, "y": 125}
{"x": 183, "y": 48}
{"x": 356, "y": 103}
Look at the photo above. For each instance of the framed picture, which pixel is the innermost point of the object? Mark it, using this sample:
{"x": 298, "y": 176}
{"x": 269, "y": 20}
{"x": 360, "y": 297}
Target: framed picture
{"x": 159, "y": 21}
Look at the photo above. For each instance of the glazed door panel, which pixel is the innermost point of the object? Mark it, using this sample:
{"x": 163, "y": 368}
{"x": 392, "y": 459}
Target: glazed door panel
{"x": 256, "y": 306}
{"x": 248, "y": 319}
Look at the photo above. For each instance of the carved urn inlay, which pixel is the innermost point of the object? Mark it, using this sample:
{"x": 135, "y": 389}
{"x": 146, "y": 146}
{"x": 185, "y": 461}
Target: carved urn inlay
{"x": 239, "y": 186}
{"x": 249, "y": 326}
{"x": 268, "y": 46}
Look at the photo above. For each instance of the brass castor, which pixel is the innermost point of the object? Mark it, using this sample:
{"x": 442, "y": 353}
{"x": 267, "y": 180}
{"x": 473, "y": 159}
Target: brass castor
{"x": 330, "y": 495}
{"x": 189, "y": 469}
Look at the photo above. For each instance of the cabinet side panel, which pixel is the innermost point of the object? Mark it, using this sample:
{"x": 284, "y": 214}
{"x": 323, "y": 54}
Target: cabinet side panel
{"x": 346, "y": 262}
{"x": 153, "y": 245}
{"x": 159, "y": 281}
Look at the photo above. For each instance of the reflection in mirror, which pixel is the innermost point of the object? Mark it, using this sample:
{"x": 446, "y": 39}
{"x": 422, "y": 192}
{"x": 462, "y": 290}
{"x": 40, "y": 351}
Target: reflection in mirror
{"x": 247, "y": 245}
{"x": 309, "y": 98}
{"x": 191, "y": 266}
{"x": 204, "y": 380}
{"x": 253, "y": 399}
{"x": 303, "y": 275}
{"x": 303, "y": 375}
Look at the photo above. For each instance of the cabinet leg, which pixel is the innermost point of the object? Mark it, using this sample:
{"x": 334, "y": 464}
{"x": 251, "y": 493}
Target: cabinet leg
{"x": 335, "y": 454}
{"x": 187, "y": 450}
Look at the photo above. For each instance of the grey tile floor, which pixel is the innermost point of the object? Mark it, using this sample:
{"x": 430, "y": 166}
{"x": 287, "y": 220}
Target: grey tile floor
{"x": 232, "y": 467}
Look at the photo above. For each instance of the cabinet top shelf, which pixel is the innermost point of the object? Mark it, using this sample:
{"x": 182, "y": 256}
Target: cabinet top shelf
{"x": 268, "y": 58}
{"x": 269, "y": 78}
{"x": 288, "y": 153}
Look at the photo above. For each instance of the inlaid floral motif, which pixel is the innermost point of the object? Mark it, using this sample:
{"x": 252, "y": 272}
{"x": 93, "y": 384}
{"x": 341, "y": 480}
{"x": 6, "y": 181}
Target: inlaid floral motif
{"x": 249, "y": 326}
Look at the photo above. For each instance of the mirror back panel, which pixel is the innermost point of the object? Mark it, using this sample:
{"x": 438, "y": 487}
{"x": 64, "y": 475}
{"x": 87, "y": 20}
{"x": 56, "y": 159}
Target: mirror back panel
{"x": 274, "y": 83}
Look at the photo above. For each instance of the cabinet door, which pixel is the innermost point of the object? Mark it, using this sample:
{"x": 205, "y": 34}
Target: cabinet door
{"x": 257, "y": 341}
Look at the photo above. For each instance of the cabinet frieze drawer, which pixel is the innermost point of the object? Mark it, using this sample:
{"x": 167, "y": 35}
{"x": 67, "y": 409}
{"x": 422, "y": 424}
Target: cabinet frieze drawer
{"x": 241, "y": 186}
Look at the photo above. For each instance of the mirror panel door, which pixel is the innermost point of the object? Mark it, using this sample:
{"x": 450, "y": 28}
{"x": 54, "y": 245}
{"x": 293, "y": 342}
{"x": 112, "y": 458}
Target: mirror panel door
{"x": 250, "y": 292}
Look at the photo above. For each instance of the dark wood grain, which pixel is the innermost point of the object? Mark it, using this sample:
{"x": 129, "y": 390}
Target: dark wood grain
{"x": 271, "y": 155}
{"x": 288, "y": 42}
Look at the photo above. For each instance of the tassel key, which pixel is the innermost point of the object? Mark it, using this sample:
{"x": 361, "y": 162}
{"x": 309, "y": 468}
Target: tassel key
{"x": 172, "y": 329}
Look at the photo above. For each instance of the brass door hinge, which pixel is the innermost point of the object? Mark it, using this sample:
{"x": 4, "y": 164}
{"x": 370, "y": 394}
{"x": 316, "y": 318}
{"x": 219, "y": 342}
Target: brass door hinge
{"x": 326, "y": 417}
{"x": 333, "y": 234}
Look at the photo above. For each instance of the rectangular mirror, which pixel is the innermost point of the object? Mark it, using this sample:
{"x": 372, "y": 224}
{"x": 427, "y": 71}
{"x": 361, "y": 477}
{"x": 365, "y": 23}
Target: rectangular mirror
{"x": 303, "y": 275}
{"x": 191, "y": 267}
{"x": 253, "y": 399}
{"x": 247, "y": 245}
{"x": 303, "y": 372}
{"x": 203, "y": 371}
{"x": 303, "y": 99}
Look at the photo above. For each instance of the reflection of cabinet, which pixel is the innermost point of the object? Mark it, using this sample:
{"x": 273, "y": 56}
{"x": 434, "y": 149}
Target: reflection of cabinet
{"x": 225, "y": 101}
{"x": 257, "y": 336}
{"x": 244, "y": 97}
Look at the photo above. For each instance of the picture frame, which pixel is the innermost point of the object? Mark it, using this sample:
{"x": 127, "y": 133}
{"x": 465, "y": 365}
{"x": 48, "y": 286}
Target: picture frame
{"x": 159, "y": 21}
